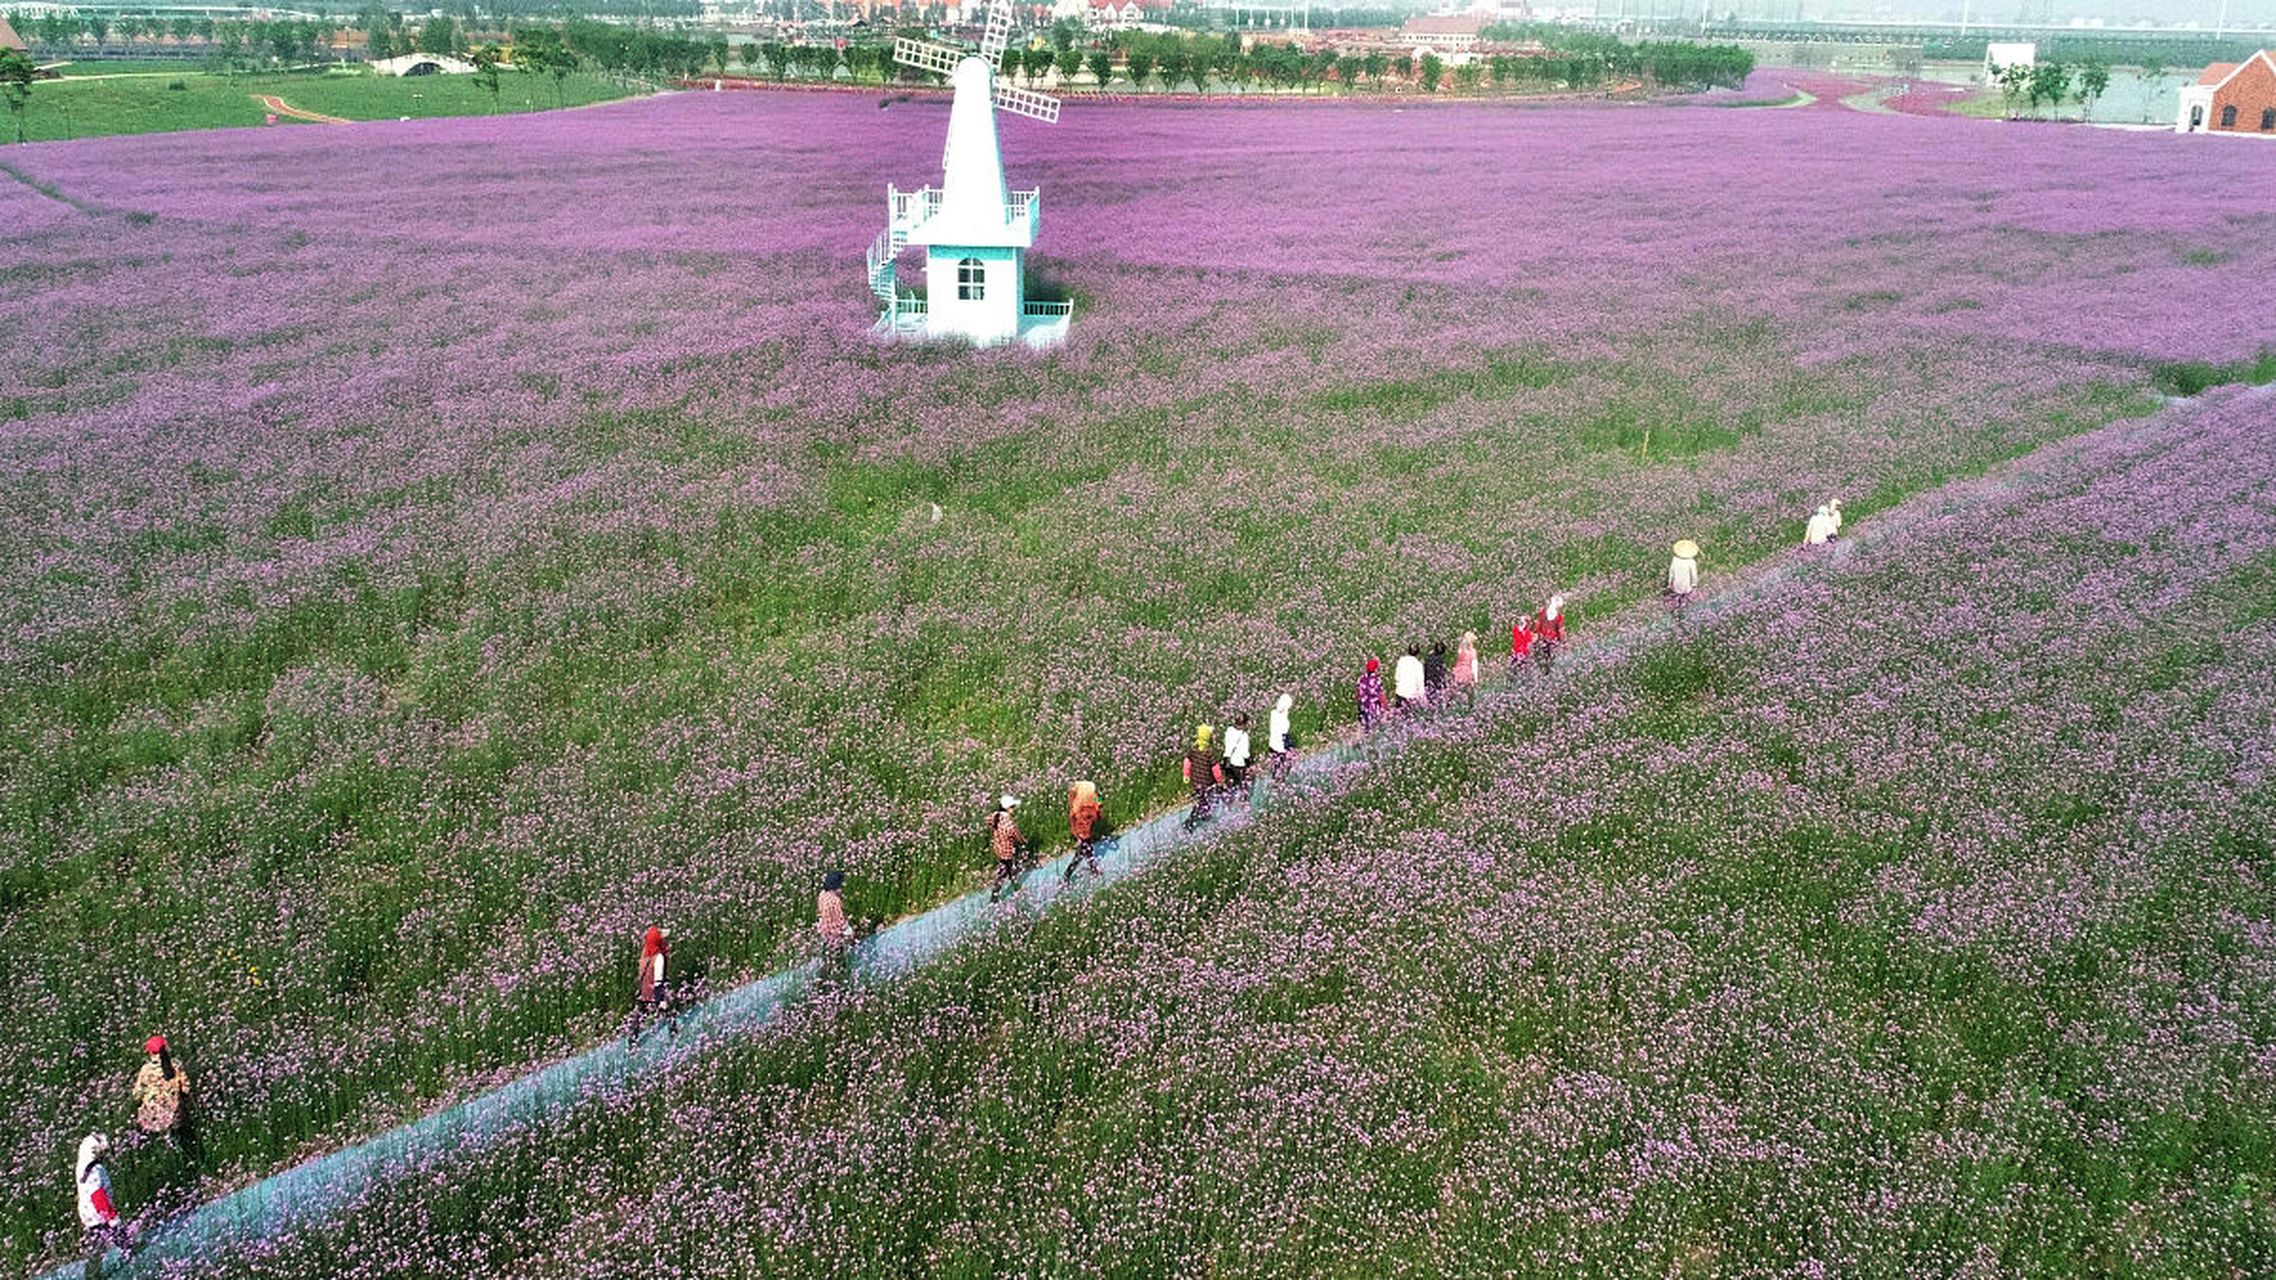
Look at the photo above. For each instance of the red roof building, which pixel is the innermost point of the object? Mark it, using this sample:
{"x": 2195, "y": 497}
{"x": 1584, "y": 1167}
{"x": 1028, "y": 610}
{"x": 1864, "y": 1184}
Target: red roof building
{"x": 2232, "y": 97}
{"x": 8, "y": 37}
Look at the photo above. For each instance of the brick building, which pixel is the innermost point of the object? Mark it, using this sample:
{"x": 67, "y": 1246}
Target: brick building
{"x": 2232, "y": 97}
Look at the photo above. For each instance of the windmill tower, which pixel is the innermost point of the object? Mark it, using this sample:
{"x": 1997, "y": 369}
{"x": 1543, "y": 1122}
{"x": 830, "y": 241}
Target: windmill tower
{"x": 975, "y": 232}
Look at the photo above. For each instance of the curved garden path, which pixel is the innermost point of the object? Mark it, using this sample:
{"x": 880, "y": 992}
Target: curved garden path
{"x": 283, "y": 108}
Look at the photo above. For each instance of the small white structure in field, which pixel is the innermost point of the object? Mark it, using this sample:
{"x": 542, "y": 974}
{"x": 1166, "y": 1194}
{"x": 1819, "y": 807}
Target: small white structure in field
{"x": 1999, "y": 57}
{"x": 423, "y": 64}
{"x": 975, "y": 232}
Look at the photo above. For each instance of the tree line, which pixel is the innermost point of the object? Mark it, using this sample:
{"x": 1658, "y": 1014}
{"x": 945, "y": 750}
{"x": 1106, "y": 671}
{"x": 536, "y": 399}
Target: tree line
{"x": 1582, "y": 58}
{"x": 2052, "y": 83}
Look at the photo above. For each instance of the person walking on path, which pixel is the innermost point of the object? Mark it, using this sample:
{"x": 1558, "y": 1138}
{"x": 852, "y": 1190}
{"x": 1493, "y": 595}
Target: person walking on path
{"x": 1369, "y": 695}
{"x": 161, "y": 1100}
{"x": 652, "y": 998}
{"x": 1465, "y": 674}
{"x": 1549, "y": 632}
{"x": 1820, "y": 530}
{"x": 1407, "y": 681}
{"x": 1237, "y": 754}
{"x": 1082, "y": 824}
{"x": 1683, "y": 574}
{"x": 1520, "y": 645}
{"x": 830, "y": 922}
{"x": 1435, "y": 674}
{"x": 1006, "y": 842}
{"x": 98, "y": 1217}
{"x": 1279, "y": 738}
{"x": 1204, "y": 772}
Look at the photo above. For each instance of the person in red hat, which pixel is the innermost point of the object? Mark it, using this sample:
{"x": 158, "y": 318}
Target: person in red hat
{"x": 652, "y": 999}
{"x": 161, "y": 1094}
{"x": 1369, "y": 695}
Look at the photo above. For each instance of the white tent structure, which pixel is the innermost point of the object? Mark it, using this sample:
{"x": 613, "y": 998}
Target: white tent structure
{"x": 974, "y": 230}
{"x": 423, "y": 64}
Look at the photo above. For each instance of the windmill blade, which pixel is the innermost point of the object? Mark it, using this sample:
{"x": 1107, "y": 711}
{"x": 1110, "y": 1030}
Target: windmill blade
{"x": 927, "y": 57}
{"x": 997, "y": 34}
{"x": 1027, "y": 102}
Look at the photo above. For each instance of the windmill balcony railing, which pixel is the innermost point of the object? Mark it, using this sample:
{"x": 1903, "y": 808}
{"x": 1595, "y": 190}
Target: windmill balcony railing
{"x": 1042, "y": 310}
{"x": 909, "y": 211}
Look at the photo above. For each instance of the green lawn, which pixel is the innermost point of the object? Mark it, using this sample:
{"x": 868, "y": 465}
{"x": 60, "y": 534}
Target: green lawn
{"x": 152, "y": 67}
{"x": 158, "y": 103}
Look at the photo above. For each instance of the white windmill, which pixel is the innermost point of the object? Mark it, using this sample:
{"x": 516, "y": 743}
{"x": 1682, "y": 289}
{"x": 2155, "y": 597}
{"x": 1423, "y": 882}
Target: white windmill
{"x": 975, "y": 232}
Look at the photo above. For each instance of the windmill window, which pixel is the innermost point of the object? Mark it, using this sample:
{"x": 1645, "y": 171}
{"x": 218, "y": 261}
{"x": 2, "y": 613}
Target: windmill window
{"x": 971, "y": 280}
{"x": 2228, "y": 116}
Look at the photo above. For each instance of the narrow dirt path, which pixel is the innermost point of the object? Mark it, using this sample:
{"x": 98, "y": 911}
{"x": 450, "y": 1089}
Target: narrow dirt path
{"x": 312, "y": 1190}
{"x": 283, "y": 108}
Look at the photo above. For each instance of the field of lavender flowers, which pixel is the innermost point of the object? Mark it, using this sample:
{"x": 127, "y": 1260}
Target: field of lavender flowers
{"x": 1909, "y": 913}
{"x": 435, "y": 552}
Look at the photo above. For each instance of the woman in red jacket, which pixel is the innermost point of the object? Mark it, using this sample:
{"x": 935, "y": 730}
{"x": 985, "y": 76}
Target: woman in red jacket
{"x": 652, "y": 999}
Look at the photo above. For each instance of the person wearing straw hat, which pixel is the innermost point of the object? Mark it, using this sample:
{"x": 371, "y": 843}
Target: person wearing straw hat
{"x": 1006, "y": 842}
{"x": 1082, "y": 824}
{"x": 1683, "y": 573}
{"x": 1820, "y": 530}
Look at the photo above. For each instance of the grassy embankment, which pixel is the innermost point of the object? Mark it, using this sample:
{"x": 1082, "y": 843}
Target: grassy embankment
{"x": 155, "y": 102}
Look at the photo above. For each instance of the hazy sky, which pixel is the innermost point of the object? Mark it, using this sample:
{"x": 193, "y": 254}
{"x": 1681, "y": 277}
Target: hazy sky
{"x": 2206, "y": 13}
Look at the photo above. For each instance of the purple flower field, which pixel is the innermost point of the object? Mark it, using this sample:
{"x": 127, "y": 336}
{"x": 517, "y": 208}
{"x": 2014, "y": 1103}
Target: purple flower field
{"x": 1913, "y": 915}
{"x": 432, "y": 553}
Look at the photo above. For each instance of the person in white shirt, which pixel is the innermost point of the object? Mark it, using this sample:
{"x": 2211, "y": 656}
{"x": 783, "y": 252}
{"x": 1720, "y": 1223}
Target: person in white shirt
{"x": 1821, "y": 528}
{"x": 97, "y": 1215}
{"x": 1237, "y": 757}
{"x": 1407, "y": 681}
{"x": 1833, "y": 509}
{"x": 1683, "y": 572}
{"x": 1277, "y": 738}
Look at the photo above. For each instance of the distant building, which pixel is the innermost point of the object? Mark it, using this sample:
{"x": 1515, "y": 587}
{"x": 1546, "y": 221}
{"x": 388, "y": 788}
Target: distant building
{"x": 1999, "y": 57}
{"x": 8, "y": 37}
{"x": 2231, "y": 97}
{"x": 1446, "y": 33}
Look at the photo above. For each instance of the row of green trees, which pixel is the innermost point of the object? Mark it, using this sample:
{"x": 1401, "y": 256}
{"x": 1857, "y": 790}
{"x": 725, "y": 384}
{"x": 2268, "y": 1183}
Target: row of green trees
{"x": 2051, "y": 84}
{"x": 1587, "y": 58}
{"x": 1172, "y": 61}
